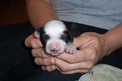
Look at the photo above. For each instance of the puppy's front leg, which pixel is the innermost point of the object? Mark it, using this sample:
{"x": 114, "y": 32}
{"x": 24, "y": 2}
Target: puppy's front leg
{"x": 70, "y": 48}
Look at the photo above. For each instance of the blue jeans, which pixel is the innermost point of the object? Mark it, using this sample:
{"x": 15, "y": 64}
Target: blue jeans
{"x": 16, "y": 62}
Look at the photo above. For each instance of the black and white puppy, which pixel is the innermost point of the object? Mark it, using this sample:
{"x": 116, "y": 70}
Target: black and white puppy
{"x": 56, "y": 38}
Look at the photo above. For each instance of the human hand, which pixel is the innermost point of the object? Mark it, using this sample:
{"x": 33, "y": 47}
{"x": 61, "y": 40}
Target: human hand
{"x": 41, "y": 58}
{"x": 93, "y": 47}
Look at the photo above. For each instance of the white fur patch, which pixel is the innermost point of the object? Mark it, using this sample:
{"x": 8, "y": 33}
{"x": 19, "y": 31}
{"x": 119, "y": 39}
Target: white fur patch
{"x": 54, "y": 28}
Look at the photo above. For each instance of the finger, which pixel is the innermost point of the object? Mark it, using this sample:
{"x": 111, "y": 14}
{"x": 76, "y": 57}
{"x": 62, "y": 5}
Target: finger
{"x": 80, "y": 56}
{"x": 49, "y": 68}
{"x": 81, "y": 71}
{"x": 45, "y": 61}
{"x": 39, "y": 52}
{"x": 43, "y": 68}
{"x": 64, "y": 66}
{"x": 31, "y": 41}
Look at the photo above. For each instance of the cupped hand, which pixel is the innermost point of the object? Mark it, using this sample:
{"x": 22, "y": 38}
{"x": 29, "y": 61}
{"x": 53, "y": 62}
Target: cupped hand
{"x": 93, "y": 47}
{"x": 41, "y": 58}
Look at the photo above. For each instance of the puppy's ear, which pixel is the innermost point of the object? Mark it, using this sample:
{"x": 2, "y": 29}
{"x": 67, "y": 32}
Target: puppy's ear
{"x": 37, "y": 33}
{"x": 70, "y": 36}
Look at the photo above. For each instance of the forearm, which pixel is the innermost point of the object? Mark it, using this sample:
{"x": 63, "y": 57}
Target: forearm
{"x": 40, "y": 12}
{"x": 114, "y": 38}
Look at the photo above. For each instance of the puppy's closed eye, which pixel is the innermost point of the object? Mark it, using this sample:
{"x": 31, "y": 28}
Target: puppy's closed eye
{"x": 65, "y": 38}
{"x": 44, "y": 38}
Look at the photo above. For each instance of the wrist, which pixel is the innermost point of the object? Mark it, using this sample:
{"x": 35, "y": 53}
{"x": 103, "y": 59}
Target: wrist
{"x": 110, "y": 43}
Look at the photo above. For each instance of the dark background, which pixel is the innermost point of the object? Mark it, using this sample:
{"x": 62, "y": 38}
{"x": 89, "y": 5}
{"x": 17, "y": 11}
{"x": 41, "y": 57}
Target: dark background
{"x": 12, "y": 11}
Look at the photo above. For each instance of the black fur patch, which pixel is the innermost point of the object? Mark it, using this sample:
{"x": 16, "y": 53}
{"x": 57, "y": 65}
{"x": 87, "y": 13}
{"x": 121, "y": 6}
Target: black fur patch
{"x": 43, "y": 36}
{"x": 67, "y": 37}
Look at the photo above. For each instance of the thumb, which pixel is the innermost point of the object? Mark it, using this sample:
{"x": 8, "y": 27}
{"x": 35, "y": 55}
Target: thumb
{"x": 82, "y": 41}
{"x": 77, "y": 42}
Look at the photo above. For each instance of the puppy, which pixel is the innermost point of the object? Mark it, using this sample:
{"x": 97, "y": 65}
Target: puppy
{"x": 56, "y": 38}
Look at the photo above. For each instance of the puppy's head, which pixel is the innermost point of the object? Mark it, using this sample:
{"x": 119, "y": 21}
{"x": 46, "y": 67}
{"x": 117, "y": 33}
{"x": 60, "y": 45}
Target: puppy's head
{"x": 54, "y": 37}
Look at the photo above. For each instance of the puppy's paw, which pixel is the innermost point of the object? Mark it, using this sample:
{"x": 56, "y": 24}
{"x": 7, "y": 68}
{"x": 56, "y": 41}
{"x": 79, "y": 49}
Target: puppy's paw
{"x": 70, "y": 48}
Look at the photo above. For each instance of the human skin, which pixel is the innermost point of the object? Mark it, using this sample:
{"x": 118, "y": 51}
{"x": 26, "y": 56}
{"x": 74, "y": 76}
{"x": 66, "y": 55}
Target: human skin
{"x": 93, "y": 46}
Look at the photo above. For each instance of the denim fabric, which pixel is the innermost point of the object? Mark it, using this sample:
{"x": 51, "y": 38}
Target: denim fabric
{"x": 15, "y": 61}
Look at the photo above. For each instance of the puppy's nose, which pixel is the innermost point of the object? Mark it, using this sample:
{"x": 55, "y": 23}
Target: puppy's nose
{"x": 53, "y": 51}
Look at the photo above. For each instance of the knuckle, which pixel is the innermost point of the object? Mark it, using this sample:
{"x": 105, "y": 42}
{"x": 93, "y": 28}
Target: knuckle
{"x": 50, "y": 61}
{"x": 46, "y": 62}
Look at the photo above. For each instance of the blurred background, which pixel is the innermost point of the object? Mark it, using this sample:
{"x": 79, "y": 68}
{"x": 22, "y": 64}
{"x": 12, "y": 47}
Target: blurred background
{"x": 12, "y": 12}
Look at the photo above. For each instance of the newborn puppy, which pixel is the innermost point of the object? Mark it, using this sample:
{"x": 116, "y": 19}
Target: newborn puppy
{"x": 56, "y": 38}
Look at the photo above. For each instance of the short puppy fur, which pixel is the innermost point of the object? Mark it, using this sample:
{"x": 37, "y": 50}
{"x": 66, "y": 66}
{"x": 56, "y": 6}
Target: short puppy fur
{"x": 56, "y": 38}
